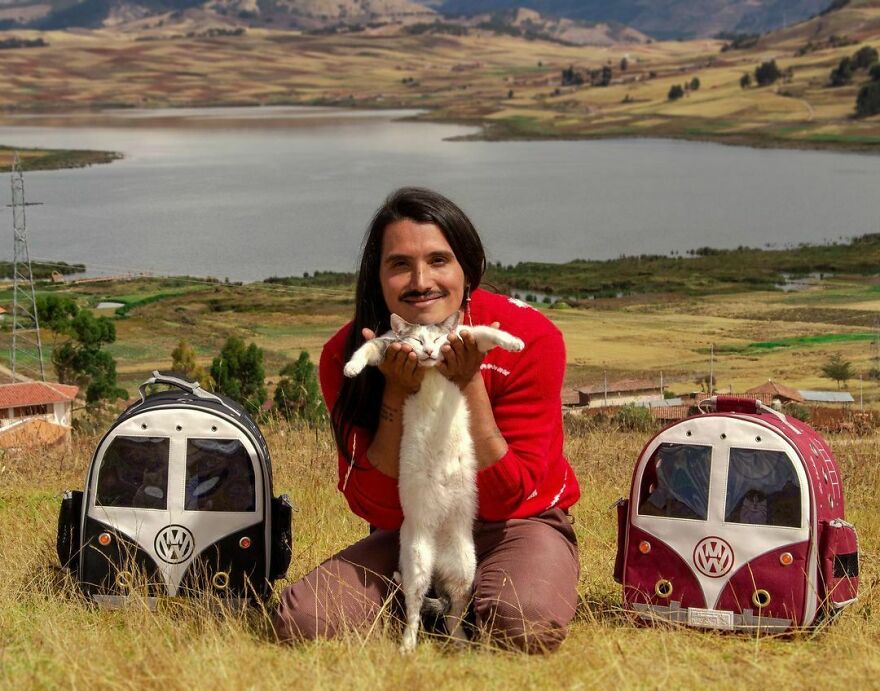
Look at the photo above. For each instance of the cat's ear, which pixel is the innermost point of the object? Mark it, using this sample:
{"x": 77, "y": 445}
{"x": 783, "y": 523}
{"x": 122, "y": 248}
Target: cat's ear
{"x": 398, "y": 324}
{"x": 451, "y": 322}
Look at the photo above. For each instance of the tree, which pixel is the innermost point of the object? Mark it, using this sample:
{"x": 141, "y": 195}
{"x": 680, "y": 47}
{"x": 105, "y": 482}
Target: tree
{"x": 838, "y": 369}
{"x": 297, "y": 394}
{"x": 81, "y": 360}
{"x": 745, "y": 81}
{"x": 183, "y": 362}
{"x": 868, "y": 100}
{"x": 874, "y": 73}
{"x": 695, "y": 84}
{"x": 767, "y": 73}
{"x": 238, "y": 373}
{"x": 571, "y": 78}
{"x": 55, "y": 312}
{"x": 606, "y": 77}
{"x": 864, "y": 57}
{"x": 624, "y": 64}
{"x": 842, "y": 74}
{"x": 675, "y": 92}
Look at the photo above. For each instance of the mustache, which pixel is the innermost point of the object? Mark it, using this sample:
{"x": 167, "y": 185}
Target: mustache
{"x": 422, "y": 294}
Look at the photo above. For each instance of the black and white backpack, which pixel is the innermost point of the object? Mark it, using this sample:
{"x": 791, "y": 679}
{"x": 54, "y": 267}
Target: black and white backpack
{"x": 178, "y": 499}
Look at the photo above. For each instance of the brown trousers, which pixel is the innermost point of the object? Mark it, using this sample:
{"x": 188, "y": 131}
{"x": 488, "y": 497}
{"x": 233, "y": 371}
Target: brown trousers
{"x": 524, "y": 590}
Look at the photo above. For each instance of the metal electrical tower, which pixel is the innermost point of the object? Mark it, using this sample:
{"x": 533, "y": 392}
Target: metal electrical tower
{"x": 26, "y": 343}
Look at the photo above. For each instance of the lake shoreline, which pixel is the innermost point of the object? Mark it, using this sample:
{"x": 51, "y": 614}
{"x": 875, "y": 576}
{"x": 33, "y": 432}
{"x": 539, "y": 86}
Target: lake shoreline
{"x": 490, "y": 131}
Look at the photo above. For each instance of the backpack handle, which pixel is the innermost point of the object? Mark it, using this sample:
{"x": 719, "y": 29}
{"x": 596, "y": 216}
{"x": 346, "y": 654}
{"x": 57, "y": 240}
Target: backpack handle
{"x": 749, "y": 406}
{"x": 192, "y": 387}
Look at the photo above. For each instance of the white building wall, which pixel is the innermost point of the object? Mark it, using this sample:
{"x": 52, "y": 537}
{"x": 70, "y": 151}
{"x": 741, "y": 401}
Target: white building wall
{"x": 598, "y": 400}
{"x": 62, "y": 413}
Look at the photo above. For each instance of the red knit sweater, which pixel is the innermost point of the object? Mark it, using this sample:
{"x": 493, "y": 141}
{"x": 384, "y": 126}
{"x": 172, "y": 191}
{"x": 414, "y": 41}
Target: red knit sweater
{"x": 524, "y": 390}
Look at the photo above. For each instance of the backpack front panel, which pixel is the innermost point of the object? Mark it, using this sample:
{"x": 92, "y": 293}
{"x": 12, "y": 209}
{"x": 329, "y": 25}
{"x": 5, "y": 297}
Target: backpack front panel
{"x": 719, "y": 492}
{"x": 176, "y": 483}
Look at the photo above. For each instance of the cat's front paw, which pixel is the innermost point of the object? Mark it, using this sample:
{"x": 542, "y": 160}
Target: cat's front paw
{"x": 513, "y": 344}
{"x": 352, "y": 369}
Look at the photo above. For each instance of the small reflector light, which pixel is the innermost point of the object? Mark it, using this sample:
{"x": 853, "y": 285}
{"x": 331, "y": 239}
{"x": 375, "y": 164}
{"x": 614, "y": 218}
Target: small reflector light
{"x": 663, "y": 588}
{"x": 245, "y": 542}
{"x": 760, "y": 598}
{"x": 220, "y": 580}
{"x": 644, "y": 547}
{"x": 105, "y": 539}
{"x": 786, "y": 559}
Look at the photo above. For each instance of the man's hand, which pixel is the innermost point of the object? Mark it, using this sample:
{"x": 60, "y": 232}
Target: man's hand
{"x": 462, "y": 358}
{"x": 400, "y": 368}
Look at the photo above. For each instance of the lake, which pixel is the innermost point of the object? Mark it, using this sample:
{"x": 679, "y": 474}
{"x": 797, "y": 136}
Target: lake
{"x": 247, "y": 193}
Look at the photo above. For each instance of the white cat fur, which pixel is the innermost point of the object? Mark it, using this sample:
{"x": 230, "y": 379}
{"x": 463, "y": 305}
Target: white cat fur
{"x": 437, "y": 480}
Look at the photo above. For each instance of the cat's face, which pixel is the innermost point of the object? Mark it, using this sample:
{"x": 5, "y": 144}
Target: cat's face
{"x": 425, "y": 340}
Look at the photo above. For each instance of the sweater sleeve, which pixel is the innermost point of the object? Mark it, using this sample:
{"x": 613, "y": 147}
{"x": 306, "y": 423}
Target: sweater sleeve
{"x": 528, "y": 413}
{"x": 371, "y": 494}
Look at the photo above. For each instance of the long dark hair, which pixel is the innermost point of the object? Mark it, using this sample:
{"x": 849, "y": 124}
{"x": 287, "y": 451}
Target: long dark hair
{"x": 361, "y": 398}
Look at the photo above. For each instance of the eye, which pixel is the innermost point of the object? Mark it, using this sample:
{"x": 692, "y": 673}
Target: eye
{"x": 439, "y": 260}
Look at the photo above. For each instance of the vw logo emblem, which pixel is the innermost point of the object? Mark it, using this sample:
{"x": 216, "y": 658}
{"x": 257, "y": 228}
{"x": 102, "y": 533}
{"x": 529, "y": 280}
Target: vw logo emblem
{"x": 713, "y": 557}
{"x": 174, "y": 544}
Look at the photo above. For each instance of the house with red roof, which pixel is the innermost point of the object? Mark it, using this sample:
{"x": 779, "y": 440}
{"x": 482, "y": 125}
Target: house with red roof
{"x": 35, "y": 413}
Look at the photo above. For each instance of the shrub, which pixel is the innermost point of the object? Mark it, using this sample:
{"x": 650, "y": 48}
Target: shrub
{"x": 297, "y": 394}
{"x": 842, "y": 74}
{"x": 864, "y": 57}
{"x": 767, "y": 73}
{"x": 797, "y": 411}
{"x": 632, "y": 418}
{"x": 675, "y": 92}
{"x": 695, "y": 84}
{"x": 745, "y": 81}
{"x": 868, "y": 100}
{"x": 572, "y": 78}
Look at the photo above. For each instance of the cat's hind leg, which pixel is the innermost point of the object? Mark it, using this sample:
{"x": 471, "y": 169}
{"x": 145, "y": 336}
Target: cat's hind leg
{"x": 416, "y": 564}
{"x": 455, "y": 567}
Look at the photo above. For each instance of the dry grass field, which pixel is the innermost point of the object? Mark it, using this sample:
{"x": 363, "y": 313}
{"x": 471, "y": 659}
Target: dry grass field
{"x": 509, "y": 84}
{"x": 49, "y": 637}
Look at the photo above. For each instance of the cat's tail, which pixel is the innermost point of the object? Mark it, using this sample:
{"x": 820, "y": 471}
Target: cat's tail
{"x": 433, "y": 608}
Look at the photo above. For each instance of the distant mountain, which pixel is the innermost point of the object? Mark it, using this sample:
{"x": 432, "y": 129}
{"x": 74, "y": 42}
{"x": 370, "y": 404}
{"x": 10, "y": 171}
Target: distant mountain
{"x": 664, "y": 19}
{"x": 305, "y": 14}
{"x": 573, "y": 21}
{"x": 530, "y": 24}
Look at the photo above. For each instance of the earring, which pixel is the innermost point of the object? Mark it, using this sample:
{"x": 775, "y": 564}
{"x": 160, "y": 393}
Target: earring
{"x": 467, "y": 303}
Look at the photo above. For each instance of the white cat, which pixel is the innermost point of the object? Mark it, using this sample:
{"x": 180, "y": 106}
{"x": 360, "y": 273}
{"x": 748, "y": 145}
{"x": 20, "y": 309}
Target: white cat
{"x": 438, "y": 467}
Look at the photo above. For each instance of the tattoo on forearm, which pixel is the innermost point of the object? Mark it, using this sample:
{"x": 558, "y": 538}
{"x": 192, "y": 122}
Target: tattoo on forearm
{"x": 387, "y": 413}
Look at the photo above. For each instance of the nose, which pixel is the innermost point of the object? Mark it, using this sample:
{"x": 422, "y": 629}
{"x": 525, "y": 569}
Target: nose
{"x": 419, "y": 279}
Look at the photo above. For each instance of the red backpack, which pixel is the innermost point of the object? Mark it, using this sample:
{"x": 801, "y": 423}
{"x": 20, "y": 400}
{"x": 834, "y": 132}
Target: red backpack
{"x": 735, "y": 521}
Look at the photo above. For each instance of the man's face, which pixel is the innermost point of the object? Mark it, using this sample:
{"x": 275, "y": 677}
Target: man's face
{"x": 421, "y": 279}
